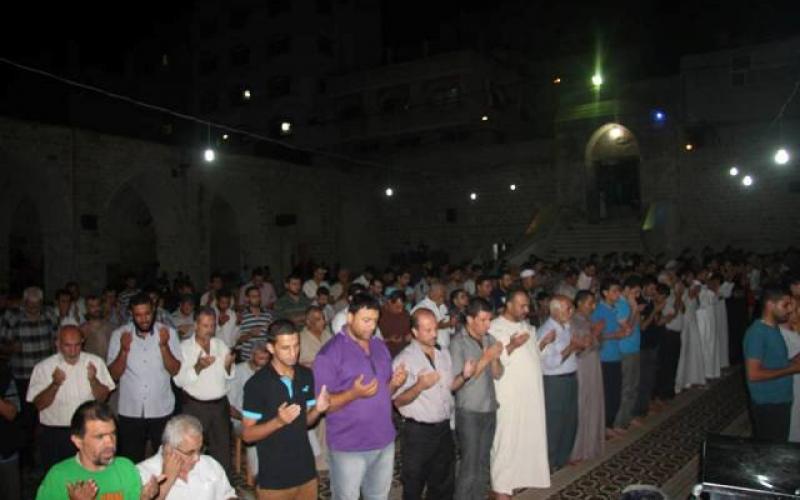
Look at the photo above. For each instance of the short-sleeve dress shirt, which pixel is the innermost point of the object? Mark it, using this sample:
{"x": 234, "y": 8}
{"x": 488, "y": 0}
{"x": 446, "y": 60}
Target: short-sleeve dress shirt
{"x": 75, "y": 390}
{"x": 434, "y": 404}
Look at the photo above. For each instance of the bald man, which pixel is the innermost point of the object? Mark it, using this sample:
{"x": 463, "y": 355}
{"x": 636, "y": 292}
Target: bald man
{"x": 59, "y": 384}
{"x": 426, "y": 402}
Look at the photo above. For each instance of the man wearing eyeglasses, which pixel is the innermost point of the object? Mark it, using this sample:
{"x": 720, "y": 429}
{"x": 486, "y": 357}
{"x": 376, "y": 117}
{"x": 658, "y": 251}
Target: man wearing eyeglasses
{"x": 184, "y": 471}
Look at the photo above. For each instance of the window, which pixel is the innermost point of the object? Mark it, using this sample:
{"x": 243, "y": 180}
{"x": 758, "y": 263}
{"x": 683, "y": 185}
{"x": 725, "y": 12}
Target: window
{"x": 278, "y": 86}
{"x": 240, "y": 56}
{"x": 277, "y": 45}
{"x": 324, "y": 45}
{"x": 276, "y": 7}
{"x": 207, "y": 64}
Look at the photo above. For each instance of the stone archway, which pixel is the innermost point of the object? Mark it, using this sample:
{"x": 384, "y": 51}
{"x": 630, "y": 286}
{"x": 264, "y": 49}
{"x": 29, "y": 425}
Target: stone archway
{"x": 612, "y": 173}
{"x": 25, "y": 248}
{"x": 225, "y": 254}
{"x": 129, "y": 245}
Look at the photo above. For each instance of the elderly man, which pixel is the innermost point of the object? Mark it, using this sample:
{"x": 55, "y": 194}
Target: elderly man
{"x": 559, "y": 367}
{"x": 96, "y": 471}
{"x": 313, "y": 336}
{"x": 96, "y": 329}
{"x": 204, "y": 375}
{"x": 143, "y": 355}
{"x": 521, "y": 430}
{"x": 187, "y": 473}
{"x": 435, "y": 302}
{"x": 425, "y": 401}
{"x": 59, "y": 384}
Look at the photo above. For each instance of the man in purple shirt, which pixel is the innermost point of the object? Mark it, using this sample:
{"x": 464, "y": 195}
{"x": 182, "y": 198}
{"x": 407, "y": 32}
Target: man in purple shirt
{"x": 357, "y": 370}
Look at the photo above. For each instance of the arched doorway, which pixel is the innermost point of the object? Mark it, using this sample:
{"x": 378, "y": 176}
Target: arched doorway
{"x": 612, "y": 173}
{"x": 130, "y": 244}
{"x": 225, "y": 253}
{"x": 26, "y": 254}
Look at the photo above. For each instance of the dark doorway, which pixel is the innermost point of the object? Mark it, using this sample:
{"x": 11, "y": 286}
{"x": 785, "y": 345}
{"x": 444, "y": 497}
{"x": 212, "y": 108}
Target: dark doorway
{"x": 618, "y": 184}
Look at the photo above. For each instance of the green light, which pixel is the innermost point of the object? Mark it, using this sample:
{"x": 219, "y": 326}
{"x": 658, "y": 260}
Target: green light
{"x": 597, "y": 79}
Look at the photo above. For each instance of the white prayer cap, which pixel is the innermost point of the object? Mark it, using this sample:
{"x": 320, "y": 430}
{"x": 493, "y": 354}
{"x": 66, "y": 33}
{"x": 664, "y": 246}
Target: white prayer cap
{"x": 527, "y": 273}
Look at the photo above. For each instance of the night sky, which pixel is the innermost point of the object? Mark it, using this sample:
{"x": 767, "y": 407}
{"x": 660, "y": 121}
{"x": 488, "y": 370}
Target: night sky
{"x": 663, "y": 29}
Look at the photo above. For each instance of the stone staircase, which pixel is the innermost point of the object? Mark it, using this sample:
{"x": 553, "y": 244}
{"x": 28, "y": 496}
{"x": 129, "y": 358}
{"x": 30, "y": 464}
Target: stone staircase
{"x": 581, "y": 239}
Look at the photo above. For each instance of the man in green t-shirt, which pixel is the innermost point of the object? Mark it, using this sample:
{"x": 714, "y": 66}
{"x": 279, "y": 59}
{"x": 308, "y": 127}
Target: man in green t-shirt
{"x": 95, "y": 473}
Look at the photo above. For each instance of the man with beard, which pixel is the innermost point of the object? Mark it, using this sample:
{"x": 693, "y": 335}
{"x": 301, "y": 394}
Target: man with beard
{"x": 292, "y": 305}
{"x": 95, "y": 472}
{"x": 769, "y": 369}
{"x": 521, "y": 430}
{"x": 143, "y": 355}
{"x": 96, "y": 330}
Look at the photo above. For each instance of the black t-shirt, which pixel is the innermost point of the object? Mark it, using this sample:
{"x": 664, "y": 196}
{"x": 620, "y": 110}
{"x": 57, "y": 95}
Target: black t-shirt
{"x": 651, "y": 336}
{"x": 285, "y": 458}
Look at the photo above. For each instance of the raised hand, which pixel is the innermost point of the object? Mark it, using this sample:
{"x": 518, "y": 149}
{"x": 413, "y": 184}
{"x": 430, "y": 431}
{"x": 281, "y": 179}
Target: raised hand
{"x": 223, "y": 318}
{"x": 59, "y": 376}
{"x": 493, "y": 351}
{"x": 363, "y": 390}
{"x": 399, "y": 376}
{"x": 427, "y": 379}
{"x": 171, "y": 466}
{"x": 548, "y": 338}
{"x": 469, "y": 368}
{"x": 323, "y": 400}
{"x": 82, "y": 490}
{"x": 203, "y": 362}
{"x": 287, "y": 413}
{"x": 519, "y": 338}
{"x": 163, "y": 336}
{"x": 91, "y": 371}
{"x": 125, "y": 341}
{"x": 150, "y": 489}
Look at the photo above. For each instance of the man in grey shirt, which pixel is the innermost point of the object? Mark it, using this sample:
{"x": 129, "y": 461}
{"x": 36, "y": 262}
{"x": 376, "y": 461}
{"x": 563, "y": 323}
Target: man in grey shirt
{"x": 476, "y": 350}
